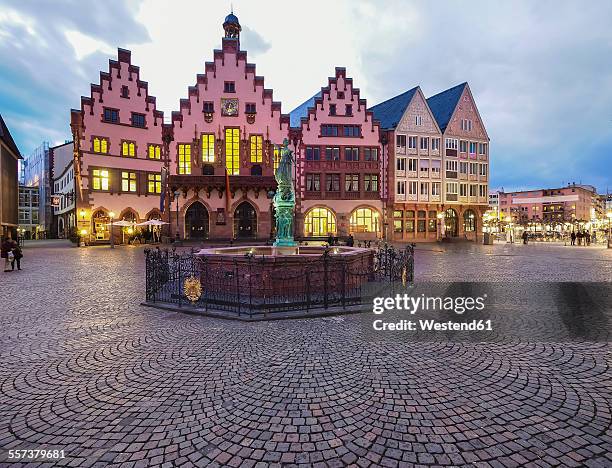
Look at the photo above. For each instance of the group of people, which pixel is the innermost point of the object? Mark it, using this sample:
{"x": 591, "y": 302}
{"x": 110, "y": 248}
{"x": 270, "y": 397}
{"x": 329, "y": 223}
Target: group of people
{"x": 12, "y": 254}
{"x": 581, "y": 236}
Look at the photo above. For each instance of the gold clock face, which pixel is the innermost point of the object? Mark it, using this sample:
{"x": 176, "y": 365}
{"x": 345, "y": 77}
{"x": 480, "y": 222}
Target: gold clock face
{"x": 229, "y": 106}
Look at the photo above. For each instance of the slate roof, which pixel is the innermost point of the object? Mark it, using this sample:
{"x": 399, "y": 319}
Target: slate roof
{"x": 6, "y": 137}
{"x": 443, "y": 104}
{"x": 390, "y": 112}
{"x": 300, "y": 111}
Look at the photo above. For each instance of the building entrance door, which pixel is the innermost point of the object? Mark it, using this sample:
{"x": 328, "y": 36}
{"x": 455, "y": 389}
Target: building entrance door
{"x": 196, "y": 221}
{"x": 451, "y": 224}
{"x": 245, "y": 221}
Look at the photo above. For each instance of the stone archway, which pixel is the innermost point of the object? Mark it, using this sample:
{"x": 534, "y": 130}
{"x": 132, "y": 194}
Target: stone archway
{"x": 197, "y": 221}
{"x": 451, "y": 223}
{"x": 245, "y": 221}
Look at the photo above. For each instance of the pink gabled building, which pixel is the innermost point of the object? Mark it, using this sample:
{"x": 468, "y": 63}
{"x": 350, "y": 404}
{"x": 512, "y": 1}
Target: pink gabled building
{"x": 118, "y": 151}
{"x": 339, "y": 163}
{"x": 228, "y": 122}
{"x": 209, "y": 173}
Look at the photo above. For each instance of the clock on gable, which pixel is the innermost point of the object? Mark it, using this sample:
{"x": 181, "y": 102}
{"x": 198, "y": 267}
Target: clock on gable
{"x": 229, "y": 106}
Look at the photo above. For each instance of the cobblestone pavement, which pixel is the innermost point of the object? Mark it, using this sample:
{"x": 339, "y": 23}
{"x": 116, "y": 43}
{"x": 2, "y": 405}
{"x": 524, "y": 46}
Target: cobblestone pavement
{"x": 85, "y": 368}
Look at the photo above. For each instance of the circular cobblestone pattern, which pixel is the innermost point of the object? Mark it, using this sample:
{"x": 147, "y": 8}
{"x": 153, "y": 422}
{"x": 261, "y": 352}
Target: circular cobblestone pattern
{"x": 85, "y": 368}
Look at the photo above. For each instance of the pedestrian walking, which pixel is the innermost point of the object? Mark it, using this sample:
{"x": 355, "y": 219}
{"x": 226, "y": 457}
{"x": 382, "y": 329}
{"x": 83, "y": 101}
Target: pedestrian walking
{"x": 573, "y": 238}
{"x": 587, "y": 238}
{"x": 5, "y": 250}
{"x": 17, "y": 256}
{"x": 525, "y": 237}
{"x": 579, "y": 237}
{"x": 351, "y": 241}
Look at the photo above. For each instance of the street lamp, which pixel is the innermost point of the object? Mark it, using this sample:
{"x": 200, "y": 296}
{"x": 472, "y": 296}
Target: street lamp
{"x": 440, "y": 216}
{"x": 176, "y": 196}
{"x": 112, "y": 232}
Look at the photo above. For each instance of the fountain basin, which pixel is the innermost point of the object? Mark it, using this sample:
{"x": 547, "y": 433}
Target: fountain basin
{"x": 284, "y": 274}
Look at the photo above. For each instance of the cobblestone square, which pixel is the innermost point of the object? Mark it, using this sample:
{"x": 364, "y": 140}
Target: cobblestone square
{"x": 85, "y": 368}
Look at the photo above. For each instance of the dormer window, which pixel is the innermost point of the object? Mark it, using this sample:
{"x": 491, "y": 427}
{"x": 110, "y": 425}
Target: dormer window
{"x": 251, "y": 108}
{"x": 209, "y": 107}
{"x": 229, "y": 87}
{"x": 125, "y": 92}
{"x": 332, "y": 109}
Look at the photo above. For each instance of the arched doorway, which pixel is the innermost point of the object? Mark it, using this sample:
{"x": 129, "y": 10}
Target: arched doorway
{"x": 196, "y": 221}
{"x": 60, "y": 228}
{"x": 100, "y": 229}
{"x": 365, "y": 220}
{"x": 245, "y": 221}
{"x": 451, "y": 225}
{"x": 469, "y": 221}
{"x": 319, "y": 222}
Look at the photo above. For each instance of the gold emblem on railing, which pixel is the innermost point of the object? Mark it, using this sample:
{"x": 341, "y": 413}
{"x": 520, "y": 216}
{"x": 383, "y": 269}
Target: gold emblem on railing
{"x": 404, "y": 276}
{"x": 192, "y": 288}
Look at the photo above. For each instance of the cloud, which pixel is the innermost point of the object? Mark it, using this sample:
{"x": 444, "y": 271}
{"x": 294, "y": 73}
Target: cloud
{"x": 252, "y": 41}
{"x": 50, "y": 52}
{"x": 539, "y": 71}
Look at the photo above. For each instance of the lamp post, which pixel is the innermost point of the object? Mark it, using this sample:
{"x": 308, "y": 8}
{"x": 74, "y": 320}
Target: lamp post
{"x": 439, "y": 216}
{"x": 176, "y": 197}
{"x": 112, "y": 233}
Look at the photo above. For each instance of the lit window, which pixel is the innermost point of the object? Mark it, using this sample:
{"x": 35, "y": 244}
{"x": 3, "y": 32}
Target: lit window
{"x": 184, "y": 153}
{"x": 154, "y": 152}
{"x": 100, "y": 145}
{"x": 256, "y": 148}
{"x": 128, "y": 148}
{"x": 208, "y": 147}
{"x": 365, "y": 220}
{"x": 128, "y": 181}
{"x": 319, "y": 222}
{"x": 154, "y": 183}
{"x": 276, "y": 158}
{"x": 100, "y": 179}
{"x": 232, "y": 150}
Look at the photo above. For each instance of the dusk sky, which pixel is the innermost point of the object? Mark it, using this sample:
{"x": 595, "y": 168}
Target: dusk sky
{"x": 540, "y": 71}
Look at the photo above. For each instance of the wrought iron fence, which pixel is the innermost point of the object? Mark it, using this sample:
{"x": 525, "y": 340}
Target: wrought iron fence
{"x": 251, "y": 286}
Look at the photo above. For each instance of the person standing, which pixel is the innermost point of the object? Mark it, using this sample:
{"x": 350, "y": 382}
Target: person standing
{"x": 573, "y": 237}
{"x": 579, "y": 237}
{"x": 587, "y": 238}
{"x": 4, "y": 252}
{"x": 17, "y": 256}
{"x": 525, "y": 237}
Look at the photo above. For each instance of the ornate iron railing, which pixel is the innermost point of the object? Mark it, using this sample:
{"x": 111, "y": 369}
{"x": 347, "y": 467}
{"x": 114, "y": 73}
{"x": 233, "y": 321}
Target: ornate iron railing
{"x": 247, "y": 288}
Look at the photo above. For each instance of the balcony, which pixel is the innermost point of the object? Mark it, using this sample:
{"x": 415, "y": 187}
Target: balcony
{"x": 434, "y": 198}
